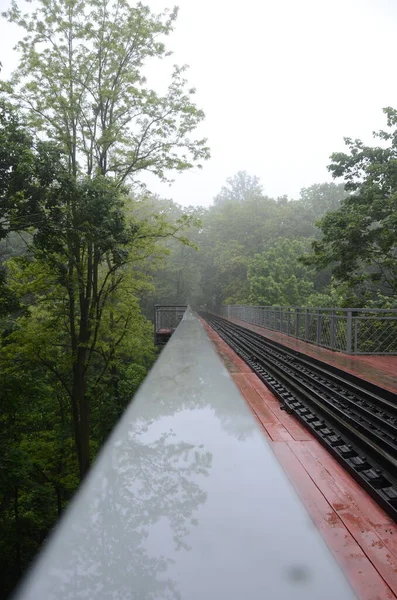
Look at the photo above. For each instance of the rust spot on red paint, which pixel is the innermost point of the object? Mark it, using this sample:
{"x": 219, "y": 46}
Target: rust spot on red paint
{"x": 332, "y": 519}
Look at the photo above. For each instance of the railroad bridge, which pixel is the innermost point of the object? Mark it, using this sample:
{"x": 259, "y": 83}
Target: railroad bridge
{"x": 258, "y": 459}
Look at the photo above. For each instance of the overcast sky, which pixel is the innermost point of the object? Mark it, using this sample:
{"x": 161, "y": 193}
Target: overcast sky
{"x": 281, "y": 83}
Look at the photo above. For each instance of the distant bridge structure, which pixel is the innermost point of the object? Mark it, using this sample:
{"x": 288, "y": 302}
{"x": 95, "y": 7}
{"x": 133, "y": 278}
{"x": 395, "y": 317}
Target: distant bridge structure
{"x": 166, "y": 319}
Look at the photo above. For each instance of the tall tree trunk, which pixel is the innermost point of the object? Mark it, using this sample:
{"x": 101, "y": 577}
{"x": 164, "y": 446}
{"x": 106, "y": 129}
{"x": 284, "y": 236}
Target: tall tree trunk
{"x": 81, "y": 411}
{"x": 80, "y": 327}
{"x": 18, "y": 559}
{"x": 58, "y": 495}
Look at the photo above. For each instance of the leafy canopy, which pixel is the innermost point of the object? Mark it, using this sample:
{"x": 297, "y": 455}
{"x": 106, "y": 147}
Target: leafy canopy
{"x": 360, "y": 239}
{"x": 81, "y": 80}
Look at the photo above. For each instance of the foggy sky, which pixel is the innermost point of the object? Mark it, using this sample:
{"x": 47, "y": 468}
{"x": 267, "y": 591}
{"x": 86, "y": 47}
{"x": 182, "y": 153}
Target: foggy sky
{"x": 281, "y": 83}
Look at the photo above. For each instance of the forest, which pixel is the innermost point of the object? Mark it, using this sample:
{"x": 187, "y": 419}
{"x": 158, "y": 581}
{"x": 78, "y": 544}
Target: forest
{"x": 86, "y": 249}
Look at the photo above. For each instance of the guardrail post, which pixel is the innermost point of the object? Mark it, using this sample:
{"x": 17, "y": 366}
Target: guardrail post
{"x": 332, "y": 331}
{"x": 349, "y": 333}
{"x": 281, "y": 320}
{"x": 318, "y": 332}
{"x": 288, "y": 321}
{"x": 307, "y": 324}
{"x": 296, "y": 322}
{"x": 355, "y": 335}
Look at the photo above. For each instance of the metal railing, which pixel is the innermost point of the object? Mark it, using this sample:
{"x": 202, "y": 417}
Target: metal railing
{"x": 349, "y": 330}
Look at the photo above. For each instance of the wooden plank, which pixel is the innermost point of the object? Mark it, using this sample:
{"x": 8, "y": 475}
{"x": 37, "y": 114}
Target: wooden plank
{"x": 353, "y": 518}
{"x": 278, "y": 432}
{"x": 261, "y": 425}
{"x": 384, "y": 526}
{"x": 362, "y": 575}
{"x": 240, "y": 380}
{"x": 254, "y": 400}
{"x": 351, "y": 488}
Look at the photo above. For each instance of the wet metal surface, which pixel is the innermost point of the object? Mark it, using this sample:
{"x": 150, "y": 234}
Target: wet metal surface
{"x": 187, "y": 500}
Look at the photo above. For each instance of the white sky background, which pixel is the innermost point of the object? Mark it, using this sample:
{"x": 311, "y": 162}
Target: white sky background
{"x": 281, "y": 83}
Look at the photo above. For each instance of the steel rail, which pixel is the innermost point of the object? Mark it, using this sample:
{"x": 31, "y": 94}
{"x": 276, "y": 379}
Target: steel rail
{"x": 354, "y": 419}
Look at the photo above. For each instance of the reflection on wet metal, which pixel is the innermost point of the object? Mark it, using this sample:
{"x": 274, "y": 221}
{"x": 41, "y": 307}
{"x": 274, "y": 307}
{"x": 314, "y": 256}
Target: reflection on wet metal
{"x": 186, "y": 501}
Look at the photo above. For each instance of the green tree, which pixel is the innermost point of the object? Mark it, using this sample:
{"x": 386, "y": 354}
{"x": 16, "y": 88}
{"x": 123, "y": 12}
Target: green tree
{"x": 359, "y": 240}
{"x": 38, "y": 462}
{"x": 38, "y": 458}
{"x": 85, "y": 250}
{"x": 239, "y": 188}
{"x": 83, "y": 126}
{"x": 243, "y": 223}
{"x": 81, "y": 81}
{"x": 276, "y": 277}
{"x": 234, "y": 230}
{"x": 321, "y": 198}
{"x": 18, "y": 186}
{"x": 177, "y": 279}
{"x": 81, "y": 84}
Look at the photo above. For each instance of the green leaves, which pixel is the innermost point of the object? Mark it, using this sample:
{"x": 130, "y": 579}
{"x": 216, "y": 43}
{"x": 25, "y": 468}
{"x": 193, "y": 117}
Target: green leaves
{"x": 75, "y": 345}
{"x": 360, "y": 239}
{"x": 277, "y": 277}
{"x": 81, "y": 81}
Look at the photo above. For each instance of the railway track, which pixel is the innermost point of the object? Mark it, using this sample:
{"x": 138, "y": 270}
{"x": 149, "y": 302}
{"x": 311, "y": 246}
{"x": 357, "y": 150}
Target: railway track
{"x": 354, "y": 419}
